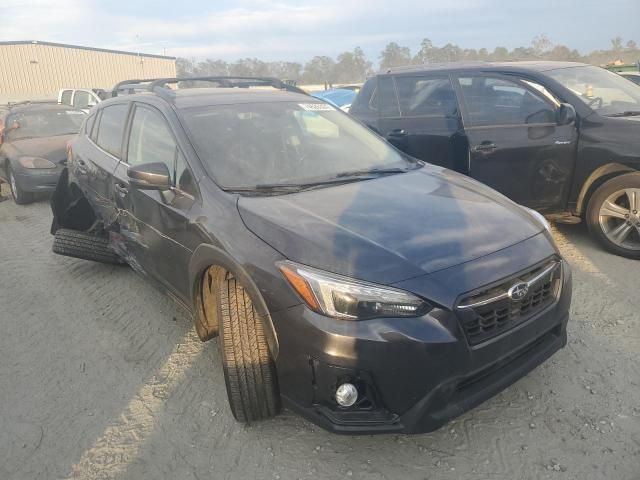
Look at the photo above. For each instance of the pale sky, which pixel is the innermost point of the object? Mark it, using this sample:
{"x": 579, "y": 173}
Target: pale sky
{"x": 296, "y": 31}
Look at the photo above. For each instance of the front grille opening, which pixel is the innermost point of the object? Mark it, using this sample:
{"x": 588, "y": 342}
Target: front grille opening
{"x": 491, "y": 312}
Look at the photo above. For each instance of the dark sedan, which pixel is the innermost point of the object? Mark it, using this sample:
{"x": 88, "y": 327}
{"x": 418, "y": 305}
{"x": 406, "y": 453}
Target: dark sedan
{"x": 33, "y": 141}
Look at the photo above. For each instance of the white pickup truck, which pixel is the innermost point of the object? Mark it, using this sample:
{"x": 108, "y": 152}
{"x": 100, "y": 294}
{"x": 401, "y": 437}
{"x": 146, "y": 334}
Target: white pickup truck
{"x": 81, "y": 98}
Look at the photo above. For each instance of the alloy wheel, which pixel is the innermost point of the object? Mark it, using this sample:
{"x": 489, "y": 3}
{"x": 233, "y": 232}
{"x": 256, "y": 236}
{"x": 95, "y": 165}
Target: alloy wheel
{"x": 619, "y": 218}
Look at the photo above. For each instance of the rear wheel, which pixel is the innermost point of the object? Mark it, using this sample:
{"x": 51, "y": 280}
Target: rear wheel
{"x": 249, "y": 369}
{"x": 73, "y": 243}
{"x": 613, "y": 215}
{"x": 19, "y": 195}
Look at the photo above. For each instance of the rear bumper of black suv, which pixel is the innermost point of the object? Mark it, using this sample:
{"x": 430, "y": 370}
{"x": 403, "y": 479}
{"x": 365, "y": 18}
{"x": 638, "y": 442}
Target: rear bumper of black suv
{"x": 413, "y": 375}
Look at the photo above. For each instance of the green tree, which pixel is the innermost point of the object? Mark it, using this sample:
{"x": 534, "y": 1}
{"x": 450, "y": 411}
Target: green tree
{"x": 185, "y": 67}
{"x": 500, "y": 54}
{"x": 541, "y": 45}
{"x": 319, "y": 70}
{"x": 616, "y": 44}
{"x": 212, "y": 67}
{"x": 352, "y": 66}
{"x": 425, "y": 54}
{"x": 394, "y": 56}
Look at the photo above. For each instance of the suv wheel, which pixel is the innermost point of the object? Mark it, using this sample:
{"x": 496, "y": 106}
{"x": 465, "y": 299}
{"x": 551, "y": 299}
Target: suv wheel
{"x": 249, "y": 370}
{"x": 19, "y": 196}
{"x": 613, "y": 215}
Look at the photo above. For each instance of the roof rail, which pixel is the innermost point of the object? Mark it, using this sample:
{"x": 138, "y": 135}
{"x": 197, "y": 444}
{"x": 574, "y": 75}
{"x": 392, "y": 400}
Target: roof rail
{"x": 229, "y": 82}
{"x": 432, "y": 66}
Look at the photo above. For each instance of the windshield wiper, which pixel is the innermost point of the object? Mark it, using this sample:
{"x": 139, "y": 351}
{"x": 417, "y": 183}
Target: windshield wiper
{"x": 345, "y": 177}
{"x": 277, "y": 188}
{"x": 628, "y": 113}
{"x": 373, "y": 172}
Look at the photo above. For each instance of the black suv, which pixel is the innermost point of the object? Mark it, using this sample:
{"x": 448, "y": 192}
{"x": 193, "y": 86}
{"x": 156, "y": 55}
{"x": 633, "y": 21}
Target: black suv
{"x": 561, "y": 138}
{"x": 369, "y": 291}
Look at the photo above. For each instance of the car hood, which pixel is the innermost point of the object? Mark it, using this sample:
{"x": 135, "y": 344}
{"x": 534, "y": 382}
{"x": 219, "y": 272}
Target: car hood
{"x": 51, "y": 148}
{"x": 391, "y": 228}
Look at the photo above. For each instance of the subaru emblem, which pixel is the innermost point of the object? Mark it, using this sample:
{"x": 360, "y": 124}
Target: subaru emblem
{"x": 518, "y": 291}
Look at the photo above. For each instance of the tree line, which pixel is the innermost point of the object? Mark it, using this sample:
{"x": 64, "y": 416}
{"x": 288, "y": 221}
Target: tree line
{"x": 353, "y": 66}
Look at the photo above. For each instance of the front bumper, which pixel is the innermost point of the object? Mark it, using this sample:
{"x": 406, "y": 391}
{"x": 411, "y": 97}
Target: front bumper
{"x": 414, "y": 374}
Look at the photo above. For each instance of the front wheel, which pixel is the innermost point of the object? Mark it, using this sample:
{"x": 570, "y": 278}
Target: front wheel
{"x": 249, "y": 369}
{"x": 613, "y": 215}
{"x": 19, "y": 195}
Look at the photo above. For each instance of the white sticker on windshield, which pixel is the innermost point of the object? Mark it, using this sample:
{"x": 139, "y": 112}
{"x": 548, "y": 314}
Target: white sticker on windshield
{"x": 73, "y": 112}
{"x": 317, "y": 107}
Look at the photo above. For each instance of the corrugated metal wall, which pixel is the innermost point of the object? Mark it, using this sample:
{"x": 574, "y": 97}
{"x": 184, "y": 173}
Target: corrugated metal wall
{"x": 31, "y": 71}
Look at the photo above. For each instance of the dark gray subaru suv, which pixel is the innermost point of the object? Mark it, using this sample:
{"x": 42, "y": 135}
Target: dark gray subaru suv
{"x": 364, "y": 289}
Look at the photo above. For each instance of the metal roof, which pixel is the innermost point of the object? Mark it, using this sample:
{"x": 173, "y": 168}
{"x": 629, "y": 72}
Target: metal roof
{"x": 80, "y": 47}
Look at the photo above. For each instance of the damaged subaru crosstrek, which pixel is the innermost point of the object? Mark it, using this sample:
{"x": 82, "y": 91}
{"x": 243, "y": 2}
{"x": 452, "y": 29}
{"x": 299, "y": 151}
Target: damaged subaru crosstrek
{"x": 364, "y": 289}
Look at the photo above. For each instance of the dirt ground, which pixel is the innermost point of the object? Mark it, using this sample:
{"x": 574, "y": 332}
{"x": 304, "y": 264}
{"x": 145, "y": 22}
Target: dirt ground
{"x": 101, "y": 376}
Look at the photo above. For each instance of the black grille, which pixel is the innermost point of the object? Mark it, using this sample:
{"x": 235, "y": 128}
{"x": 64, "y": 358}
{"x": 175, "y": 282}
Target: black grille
{"x": 491, "y": 312}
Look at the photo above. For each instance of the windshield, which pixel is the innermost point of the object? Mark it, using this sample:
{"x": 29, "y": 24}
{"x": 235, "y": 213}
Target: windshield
{"x": 43, "y": 123}
{"x": 287, "y": 143}
{"x": 605, "y": 92}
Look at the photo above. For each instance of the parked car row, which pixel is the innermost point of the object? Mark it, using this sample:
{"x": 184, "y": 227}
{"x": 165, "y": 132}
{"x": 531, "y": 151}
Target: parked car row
{"x": 331, "y": 262}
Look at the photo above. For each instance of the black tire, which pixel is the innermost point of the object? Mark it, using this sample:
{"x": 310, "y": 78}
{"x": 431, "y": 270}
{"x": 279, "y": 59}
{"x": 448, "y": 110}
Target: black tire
{"x": 249, "y": 370}
{"x": 19, "y": 195}
{"x": 604, "y": 192}
{"x": 72, "y": 243}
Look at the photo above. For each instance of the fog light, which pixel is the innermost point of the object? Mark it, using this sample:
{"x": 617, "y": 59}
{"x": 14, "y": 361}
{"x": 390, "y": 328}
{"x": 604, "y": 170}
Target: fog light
{"x": 346, "y": 395}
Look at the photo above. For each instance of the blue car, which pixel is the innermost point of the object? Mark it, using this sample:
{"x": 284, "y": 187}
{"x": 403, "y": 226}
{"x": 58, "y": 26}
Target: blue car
{"x": 338, "y": 97}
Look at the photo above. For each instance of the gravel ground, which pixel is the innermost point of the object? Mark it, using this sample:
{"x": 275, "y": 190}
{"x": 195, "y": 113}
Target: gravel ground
{"x": 101, "y": 376}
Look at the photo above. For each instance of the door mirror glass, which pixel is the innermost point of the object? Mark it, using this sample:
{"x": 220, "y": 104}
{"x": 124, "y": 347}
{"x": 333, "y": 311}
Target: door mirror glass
{"x": 566, "y": 114}
{"x": 150, "y": 176}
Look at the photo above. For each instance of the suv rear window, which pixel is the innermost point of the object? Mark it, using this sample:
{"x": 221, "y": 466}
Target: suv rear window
{"x": 111, "y": 128}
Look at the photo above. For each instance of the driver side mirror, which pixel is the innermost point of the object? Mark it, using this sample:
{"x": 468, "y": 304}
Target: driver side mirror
{"x": 150, "y": 176}
{"x": 566, "y": 114}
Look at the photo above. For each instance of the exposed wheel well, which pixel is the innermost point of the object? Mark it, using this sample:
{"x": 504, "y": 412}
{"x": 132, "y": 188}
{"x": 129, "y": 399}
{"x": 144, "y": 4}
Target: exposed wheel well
{"x": 70, "y": 207}
{"x": 207, "y": 322}
{"x": 596, "y": 179}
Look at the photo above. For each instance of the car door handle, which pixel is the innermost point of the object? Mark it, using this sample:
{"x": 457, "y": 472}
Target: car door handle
{"x": 122, "y": 190}
{"x": 398, "y": 133}
{"x": 484, "y": 147}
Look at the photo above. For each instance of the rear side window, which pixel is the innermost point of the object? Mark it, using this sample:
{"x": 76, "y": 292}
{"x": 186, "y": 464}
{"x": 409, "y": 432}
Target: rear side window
{"x": 65, "y": 98}
{"x": 497, "y": 101}
{"x": 111, "y": 128}
{"x": 365, "y": 100}
{"x": 426, "y": 96}
{"x": 387, "y": 99}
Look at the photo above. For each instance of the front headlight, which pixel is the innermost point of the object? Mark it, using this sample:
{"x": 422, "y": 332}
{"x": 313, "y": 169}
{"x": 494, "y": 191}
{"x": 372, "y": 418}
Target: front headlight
{"x": 538, "y": 216}
{"x": 36, "y": 162}
{"x": 348, "y": 299}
